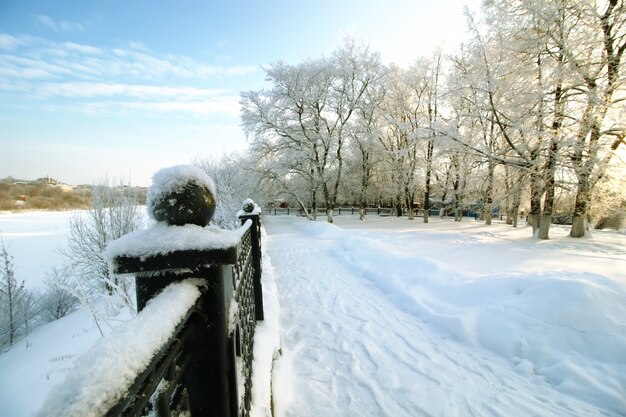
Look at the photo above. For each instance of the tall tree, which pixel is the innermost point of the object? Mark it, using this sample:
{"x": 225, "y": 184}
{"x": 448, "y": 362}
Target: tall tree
{"x": 595, "y": 47}
{"x": 11, "y": 296}
{"x": 433, "y": 106}
{"x": 304, "y": 120}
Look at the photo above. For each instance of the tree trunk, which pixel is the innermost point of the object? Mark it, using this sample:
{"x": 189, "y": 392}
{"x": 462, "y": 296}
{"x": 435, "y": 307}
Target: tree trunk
{"x": 548, "y": 202}
{"x": 365, "y": 175}
{"x": 409, "y": 204}
{"x": 330, "y": 211}
{"x": 303, "y": 208}
{"x": 489, "y": 194}
{"x": 535, "y": 201}
{"x": 313, "y": 205}
{"x": 427, "y": 182}
{"x": 427, "y": 199}
{"x": 458, "y": 198}
{"x": 550, "y": 168}
{"x": 444, "y": 207}
{"x": 579, "y": 226}
{"x": 362, "y": 211}
{"x": 509, "y": 183}
{"x": 549, "y": 186}
{"x": 329, "y": 215}
{"x": 398, "y": 203}
{"x": 581, "y": 206}
{"x": 517, "y": 201}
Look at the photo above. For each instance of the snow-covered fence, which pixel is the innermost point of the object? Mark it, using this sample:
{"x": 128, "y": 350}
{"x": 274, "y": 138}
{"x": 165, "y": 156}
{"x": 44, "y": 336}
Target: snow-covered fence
{"x": 189, "y": 349}
{"x": 380, "y": 211}
{"x": 288, "y": 211}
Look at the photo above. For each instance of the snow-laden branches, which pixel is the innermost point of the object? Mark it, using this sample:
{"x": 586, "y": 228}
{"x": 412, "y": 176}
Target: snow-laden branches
{"x": 526, "y": 115}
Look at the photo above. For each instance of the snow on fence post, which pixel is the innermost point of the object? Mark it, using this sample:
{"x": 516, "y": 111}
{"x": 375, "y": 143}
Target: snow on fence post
{"x": 203, "y": 365}
{"x": 184, "y": 199}
{"x": 251, "y": 211}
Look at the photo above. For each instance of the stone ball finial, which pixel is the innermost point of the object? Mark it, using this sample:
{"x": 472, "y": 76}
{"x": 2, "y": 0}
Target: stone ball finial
{"x": 182, "y": 194}
{"x": 248, "y": 205}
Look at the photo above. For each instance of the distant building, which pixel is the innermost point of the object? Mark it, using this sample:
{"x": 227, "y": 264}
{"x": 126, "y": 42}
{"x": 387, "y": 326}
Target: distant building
{"x": 47, "y": 180}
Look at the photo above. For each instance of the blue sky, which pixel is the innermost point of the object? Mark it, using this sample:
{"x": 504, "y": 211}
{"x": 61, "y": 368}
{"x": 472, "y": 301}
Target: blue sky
{"x": 119, "y": 89}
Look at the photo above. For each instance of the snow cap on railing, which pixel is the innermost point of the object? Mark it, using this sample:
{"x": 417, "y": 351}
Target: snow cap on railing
{"x": 182, "y": 194}
{"x": 248, "y": 207}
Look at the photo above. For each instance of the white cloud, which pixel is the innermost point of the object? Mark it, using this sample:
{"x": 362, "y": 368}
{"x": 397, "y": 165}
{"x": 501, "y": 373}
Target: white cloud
{"x": 69, "y": 76}
{"x": 83, "y": 49}
{"x": 14, "y": 66}
{"x": 112, "y": 98}
{"x": 86, "y": 89}
{"x": 80, "y": 61}
{"x": 8, "y": 42}
{"x": 58, "y": 26}
{"x": 217, "y": 105}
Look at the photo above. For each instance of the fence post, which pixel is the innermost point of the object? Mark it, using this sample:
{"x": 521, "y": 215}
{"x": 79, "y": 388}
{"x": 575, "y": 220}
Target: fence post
{"x": 251, "y": 211}
{"x": 208, "y": 376}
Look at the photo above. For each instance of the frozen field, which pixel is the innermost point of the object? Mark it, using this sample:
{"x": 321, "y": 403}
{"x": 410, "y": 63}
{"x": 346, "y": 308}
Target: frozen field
{"x": 33, "y": 239}
{"x": 393, "y": 317}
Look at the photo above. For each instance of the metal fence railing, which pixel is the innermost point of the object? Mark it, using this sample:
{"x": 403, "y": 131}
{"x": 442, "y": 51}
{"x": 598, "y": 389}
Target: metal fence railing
{"x": 189, "y": 350}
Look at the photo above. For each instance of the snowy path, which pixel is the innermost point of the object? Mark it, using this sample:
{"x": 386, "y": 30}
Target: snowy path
{"x": 356, "y": 346}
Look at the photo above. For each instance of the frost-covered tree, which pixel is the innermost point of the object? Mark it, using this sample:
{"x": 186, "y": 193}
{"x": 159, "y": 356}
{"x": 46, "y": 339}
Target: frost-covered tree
{"x": 114, "y": 213}
{"x": 11, "y": 294}
{"x": 301, "y": 125}
{"x": 595, "y": 48}
{"x": 236, "y": 178}
{"x": 526, "y": 115}
{"x": 58, "y": 300}
{"x": 568, "y": 53}
{"x": 404, "y": 112}
{"x": 433, "y": 79}
{"x": 365, "y": 134}
{"x": 19, "y": 306}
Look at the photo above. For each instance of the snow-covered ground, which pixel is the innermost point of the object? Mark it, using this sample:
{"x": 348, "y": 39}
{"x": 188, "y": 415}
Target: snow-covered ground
{"x": 33, "y": 239}
{"x": 394, "y": 317}
{"x": 35, "y": 364}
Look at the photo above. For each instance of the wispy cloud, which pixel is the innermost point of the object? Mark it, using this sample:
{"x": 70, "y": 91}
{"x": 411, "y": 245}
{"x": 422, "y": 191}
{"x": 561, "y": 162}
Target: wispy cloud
{"x": 83, "y": 49}
{"x": 86, "y": 89}
{"x": 81, "y": 77}
{"x": 87, "y": 60}
{"x": 115, "y": 98}
{"x": 58, "y": 25}
{"x": 8, "y": 42}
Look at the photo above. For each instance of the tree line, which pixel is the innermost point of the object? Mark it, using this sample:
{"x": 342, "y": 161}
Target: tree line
{"x": 526, "y": 116}
{"x": 19, "y": 195}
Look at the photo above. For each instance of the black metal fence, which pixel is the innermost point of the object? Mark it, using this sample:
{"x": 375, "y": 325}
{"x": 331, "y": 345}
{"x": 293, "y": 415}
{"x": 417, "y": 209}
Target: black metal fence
{"x": 380, "y": 211}
{"x": 203, "y": 367}
{"x": 206, "y": 366}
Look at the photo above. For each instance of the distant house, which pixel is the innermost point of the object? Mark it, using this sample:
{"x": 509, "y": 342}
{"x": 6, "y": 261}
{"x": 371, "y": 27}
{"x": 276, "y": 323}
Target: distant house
{"x": 47, "y": 180}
